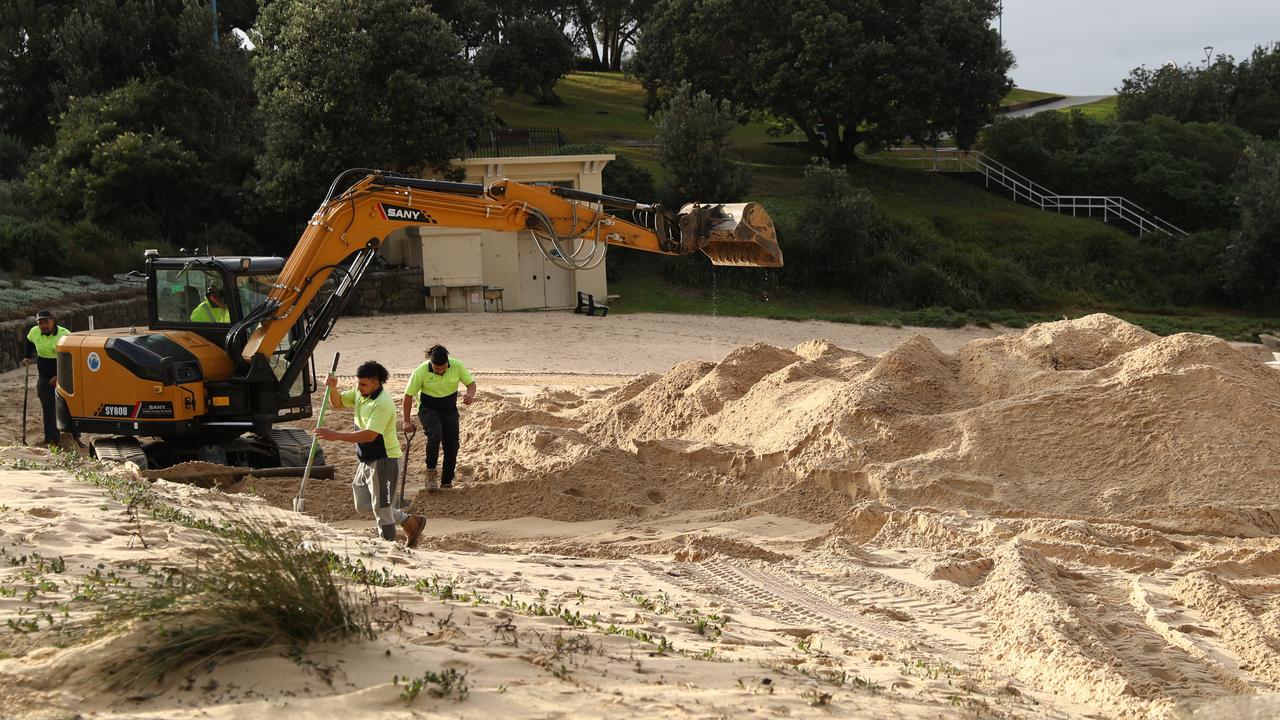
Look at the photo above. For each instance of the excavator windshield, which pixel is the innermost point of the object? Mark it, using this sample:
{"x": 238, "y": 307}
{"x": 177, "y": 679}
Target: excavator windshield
{"x": 191, "y": 295}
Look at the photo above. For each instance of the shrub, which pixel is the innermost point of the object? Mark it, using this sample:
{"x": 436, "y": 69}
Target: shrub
{"x": 265, "y": 590}
{"x": 695, "y": 150}
{"x": 1251, "y": 261}
{"x": 37, "y": 245}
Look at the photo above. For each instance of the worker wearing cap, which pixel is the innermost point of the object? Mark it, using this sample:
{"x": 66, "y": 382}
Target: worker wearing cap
{"x": 213, "y": 309}
{"x": 377, "y": 448}
{"x": 42, "y": 344}
{"x": 435, "y": 386}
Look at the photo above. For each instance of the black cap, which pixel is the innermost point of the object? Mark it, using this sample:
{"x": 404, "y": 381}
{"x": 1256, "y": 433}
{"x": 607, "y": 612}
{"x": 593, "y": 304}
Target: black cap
{"x": 45, "y": 315}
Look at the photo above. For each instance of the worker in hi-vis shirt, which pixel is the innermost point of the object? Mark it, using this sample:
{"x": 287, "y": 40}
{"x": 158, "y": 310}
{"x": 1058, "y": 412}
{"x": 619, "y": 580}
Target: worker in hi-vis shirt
{"x": 434, "y": 385}
{"x": 213, "y": 309}
{"x": 42, "y": 344}
{"x": 377, "y": 448}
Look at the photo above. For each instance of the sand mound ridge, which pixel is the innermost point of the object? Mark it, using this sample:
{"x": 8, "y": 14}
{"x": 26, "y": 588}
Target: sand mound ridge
{"x": 1086, "y": 418}
{"x": 1089, "y": 417}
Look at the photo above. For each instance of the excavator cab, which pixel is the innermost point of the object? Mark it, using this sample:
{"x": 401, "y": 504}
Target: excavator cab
{"x": 174, "y": 381}
{"x": 208, "y": 295}
{"x": 202, "y": 294}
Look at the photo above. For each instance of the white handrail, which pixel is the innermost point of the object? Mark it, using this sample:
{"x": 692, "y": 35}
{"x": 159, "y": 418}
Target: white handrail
{"x": 1024, "y": 188}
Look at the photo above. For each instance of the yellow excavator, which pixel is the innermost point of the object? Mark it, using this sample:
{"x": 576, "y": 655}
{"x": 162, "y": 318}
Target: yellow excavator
{"x": 227, "y": 354}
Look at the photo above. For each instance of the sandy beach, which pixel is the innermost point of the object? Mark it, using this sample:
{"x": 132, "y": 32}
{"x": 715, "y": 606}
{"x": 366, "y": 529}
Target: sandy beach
{"x": 721, "y": 517}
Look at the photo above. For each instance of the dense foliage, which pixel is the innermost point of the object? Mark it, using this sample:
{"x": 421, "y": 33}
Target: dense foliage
{"x": 842, "y": 71}
{"x": 1246, "y": 94}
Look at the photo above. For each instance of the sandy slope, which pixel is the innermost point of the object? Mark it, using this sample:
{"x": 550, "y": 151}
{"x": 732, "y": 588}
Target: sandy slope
{"x": 1076, "y": 520}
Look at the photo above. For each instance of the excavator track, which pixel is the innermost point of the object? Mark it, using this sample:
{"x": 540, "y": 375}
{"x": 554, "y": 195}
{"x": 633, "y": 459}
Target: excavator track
{"x": 121, "y": 450}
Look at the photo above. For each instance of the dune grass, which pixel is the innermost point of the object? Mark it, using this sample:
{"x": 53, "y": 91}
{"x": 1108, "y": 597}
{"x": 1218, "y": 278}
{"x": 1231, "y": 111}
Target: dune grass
{"x": 265, "y": 590}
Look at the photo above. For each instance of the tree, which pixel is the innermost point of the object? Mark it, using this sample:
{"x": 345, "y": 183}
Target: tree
{"x": 1187, "y": 94}
{"x": 531, "y": 57}
{"x": 162, "y": 156}
{"x": 608, "y": 27}
{"x": 376, "y": 84}
{"x": 695, "y": 151}
{"x": 54, "y": 50}
{"x": 1252, "y": 264}
{"x": 841, "y": 71}
{"x": 516, "y": 45}
{"x": 1245, "y": 93}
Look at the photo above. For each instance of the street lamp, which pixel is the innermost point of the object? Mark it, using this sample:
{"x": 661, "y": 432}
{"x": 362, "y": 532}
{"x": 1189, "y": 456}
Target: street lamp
{"x": 1208, "y": 54}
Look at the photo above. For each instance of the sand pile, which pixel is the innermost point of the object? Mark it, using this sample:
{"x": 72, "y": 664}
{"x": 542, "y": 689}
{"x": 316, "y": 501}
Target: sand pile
{"x": 1091, "y": 417}
{"x": 1088, "y": 418}
{"x": 198, "y": 473}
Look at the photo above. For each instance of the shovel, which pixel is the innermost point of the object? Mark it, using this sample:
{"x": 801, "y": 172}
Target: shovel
{"x": 404, "y": 469}
{"x": 26, "y": 390}
{"x": 315, "y": 441}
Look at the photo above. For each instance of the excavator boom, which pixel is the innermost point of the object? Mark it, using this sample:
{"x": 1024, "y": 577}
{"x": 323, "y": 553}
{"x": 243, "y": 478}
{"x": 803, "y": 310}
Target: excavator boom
{"x": 575, "y": 224}
{"x": 220, "y": 386}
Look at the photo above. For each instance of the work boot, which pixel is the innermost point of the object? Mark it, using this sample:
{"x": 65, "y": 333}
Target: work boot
{"x": 413, "y": 526}
{"x": 431, "y": 479}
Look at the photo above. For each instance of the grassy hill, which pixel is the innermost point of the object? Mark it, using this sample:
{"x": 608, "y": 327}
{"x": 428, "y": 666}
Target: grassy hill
{"x": 1104, "y": 109}
{"x": 607, "y": 108}
{"x": 1021, "y": 95}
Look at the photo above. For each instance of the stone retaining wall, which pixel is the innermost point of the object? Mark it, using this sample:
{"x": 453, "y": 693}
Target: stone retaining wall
{"x": 384, "y": 292}
{"x": 74, "y": 317}
{"x": 389, "y": 291}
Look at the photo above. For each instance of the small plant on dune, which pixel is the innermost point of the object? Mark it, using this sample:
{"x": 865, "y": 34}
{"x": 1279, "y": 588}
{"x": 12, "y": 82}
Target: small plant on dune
{"x": 816, "y": 698}
{"x": 443, "y": 684}
{"x": 265, "y": 590}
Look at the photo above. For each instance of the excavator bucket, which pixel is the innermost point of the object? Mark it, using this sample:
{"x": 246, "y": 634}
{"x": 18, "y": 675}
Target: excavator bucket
{"x": 739, "y": 234}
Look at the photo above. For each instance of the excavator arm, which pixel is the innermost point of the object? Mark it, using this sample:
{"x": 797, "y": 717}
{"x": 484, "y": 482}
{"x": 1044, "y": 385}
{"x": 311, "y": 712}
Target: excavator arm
{"x": 573, "y": 224}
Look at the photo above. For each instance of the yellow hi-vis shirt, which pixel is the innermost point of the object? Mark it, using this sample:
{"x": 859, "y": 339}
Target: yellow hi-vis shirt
{"x": 209, "y": 313}
{"x": 46, "y": 345}
{"x": 425, "y": 380}
{"x": 376, "y": 413}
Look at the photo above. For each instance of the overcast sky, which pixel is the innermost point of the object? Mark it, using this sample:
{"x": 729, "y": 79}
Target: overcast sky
{"x": 1086, "y": 47}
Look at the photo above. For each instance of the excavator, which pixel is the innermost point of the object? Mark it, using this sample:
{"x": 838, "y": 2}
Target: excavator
{"x": 226, "y": 359}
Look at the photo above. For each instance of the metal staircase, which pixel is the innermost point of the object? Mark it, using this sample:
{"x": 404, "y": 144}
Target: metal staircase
{"x": 999, "y": 177}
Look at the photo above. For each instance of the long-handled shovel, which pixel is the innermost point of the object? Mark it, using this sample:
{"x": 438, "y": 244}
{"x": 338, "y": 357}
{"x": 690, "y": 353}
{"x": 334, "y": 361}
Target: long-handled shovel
{"x": 26, "y": 390}
{"x": 311, "y": 456}
{"x": 404, "y": 469}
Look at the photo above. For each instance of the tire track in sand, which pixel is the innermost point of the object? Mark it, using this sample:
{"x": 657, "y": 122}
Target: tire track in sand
{"x": 861, "y": 617}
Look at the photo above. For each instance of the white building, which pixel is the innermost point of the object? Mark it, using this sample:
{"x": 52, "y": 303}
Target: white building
{"x": 461, "y": 267}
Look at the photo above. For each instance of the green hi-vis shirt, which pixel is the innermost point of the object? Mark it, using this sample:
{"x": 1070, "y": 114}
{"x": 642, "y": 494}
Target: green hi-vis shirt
{"x": 46, "y": 345}
{"x": 377, "y": 413}
{"x": 209, "y": 313}
{"x": 425, "y": 380}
